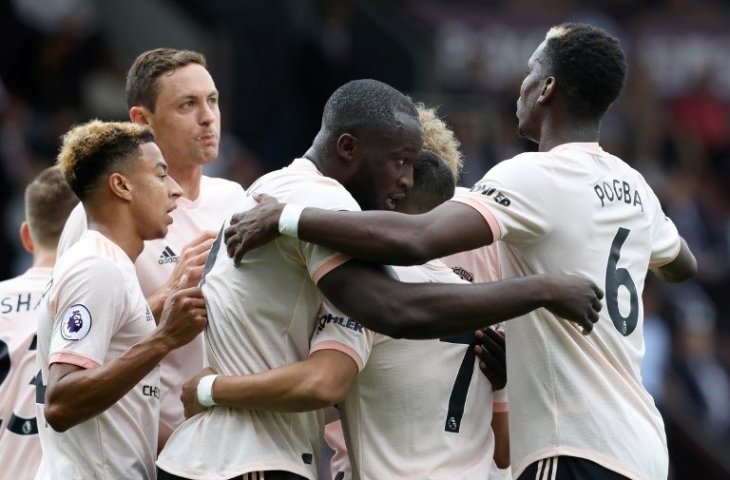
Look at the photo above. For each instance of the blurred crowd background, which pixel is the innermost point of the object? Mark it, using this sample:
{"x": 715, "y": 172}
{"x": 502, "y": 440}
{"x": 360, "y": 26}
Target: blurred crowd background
{"x": 276, "y": 62}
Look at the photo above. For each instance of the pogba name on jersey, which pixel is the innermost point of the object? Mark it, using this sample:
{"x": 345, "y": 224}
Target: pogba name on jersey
{"x": 614, "y": 190}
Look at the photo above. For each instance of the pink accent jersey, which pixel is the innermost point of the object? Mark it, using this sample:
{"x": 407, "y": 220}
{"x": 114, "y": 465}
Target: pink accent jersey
{"x": 418, "y": 408}
{"x": 579, "y": 210}
{"x": 155, "y": 265}
{"x": 92, "y": 312}
{"x": 261, "y": 316}
{"x": 20, "y": 448}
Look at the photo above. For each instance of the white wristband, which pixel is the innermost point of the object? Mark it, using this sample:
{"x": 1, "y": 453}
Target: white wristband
{"x": 205, "y": 391}
{"x": 289, "y": 220}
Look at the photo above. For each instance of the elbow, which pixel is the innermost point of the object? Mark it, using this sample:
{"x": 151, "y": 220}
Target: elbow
{"x": 501, "y": 459}
{"x": 327, "y": 392}
{"x": 403, "y": 250}
{"x": 56, "y": 417}
{"x": 413, "y": 253}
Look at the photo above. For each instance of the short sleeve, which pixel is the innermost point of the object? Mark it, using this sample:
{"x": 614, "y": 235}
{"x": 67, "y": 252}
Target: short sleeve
{"x": 512, "y": 197}
{"x": 666, "y": 241}
{"x": 75, "y": 226}
{"x": 88, "y": 308}
{"x": 336, "y": 331}
{"x": 328, "y": 195}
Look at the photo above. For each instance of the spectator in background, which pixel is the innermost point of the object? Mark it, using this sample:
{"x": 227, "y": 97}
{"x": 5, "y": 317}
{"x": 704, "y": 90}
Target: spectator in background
{"x": 704, "y": 381}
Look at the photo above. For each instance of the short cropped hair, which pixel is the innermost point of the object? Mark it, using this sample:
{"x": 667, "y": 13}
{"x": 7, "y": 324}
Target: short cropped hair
{"x": 94, "y": 149}
{"x": 365, "y": 108}
{"x": 433, "y": 184}
{"x": 439, "y": 139}
{"x": 588, "y": 65}
{"x": 142, "y": 89}
{"x": 48, "y": 203}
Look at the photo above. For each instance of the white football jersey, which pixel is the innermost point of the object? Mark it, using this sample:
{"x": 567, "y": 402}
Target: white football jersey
{"x": 418, "y": 408}
{"x": 155, "y": 265}
{"x": 579, "y": 210}
{"x": 261, "y": 316}
{"x": 20, "y": 448}
{"x": 92, "y": 312}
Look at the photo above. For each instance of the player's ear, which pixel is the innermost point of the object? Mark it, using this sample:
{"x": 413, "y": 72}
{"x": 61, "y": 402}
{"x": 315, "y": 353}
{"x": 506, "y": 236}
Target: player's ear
{"x": 25, "y": 237}
{"x": 548, "y": 90}
{"x": 120, "y": 186}
{"x": 139, "y": 115}
{"x": 348, "y": 147}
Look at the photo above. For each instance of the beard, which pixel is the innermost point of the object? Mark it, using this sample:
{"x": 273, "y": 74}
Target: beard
{"x": 361, "y": 188}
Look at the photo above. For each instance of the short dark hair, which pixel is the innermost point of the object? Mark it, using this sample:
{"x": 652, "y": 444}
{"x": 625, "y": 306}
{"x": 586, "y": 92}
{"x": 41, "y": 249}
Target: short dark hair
{"x": 48, "y": 203}
{"x": 433, "y": 184}
{"x": 96, "y": 148}
{"x": 142, "y": 89}
{"x": 365, "y": 108}
{"x": 588, "y": 65}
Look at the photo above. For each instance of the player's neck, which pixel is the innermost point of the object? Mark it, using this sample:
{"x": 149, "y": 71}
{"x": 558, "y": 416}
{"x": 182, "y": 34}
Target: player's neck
{"x": 552, "y": 136}
{"x": 44, "y": 258}
{"x": 118, "y": 226}
{"x": 188, "y": 177}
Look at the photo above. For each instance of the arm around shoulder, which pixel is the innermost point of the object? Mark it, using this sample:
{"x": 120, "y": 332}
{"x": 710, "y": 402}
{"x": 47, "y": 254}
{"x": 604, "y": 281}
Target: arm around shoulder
{"x": 395, "y": 238}
{"x": 433, "y": 310}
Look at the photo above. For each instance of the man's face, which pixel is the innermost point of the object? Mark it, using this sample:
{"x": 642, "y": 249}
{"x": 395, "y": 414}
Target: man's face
{"x": 386, "y": 167}
{"x": 154, "y": 193}
{"x": 527, "y": 118}
{"x": 187, "y": 120}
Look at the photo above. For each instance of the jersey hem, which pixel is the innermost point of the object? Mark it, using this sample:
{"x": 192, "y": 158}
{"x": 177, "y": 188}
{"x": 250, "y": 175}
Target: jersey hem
{"x": 196, "y": 474}
{"x": 602, "y": 460}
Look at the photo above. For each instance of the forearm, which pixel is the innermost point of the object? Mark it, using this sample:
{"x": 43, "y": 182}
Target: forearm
{"x": 422, "y": 311}
{"x": 469, "y": 307}
{"x": 395, "y": 238}
{"x": 318, "y": 382}
{"x": 85, "y": 393}
{"x": 500, "y": 428}
{"x": 380, "y": 237}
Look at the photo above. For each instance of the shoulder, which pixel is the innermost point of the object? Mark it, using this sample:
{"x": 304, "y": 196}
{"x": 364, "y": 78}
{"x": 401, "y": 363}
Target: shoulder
{"x": 221, "y": 186}
{"x": 301, "y": 183}
{"x": 89, "y": 262}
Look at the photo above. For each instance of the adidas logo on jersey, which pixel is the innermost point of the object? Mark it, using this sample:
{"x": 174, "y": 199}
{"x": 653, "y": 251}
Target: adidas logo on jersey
{"x": 167, "y": 256}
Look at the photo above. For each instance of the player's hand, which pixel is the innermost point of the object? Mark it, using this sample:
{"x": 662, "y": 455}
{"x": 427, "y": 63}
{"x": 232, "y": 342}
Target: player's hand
{"x": 189, "y": 395}
{"x": 183, "y": 315}
{"x": 192, "y": 260}
{"x": 576, "y": 299}
{"x": 491, "y": 350}
{"x": 253, "y": 228}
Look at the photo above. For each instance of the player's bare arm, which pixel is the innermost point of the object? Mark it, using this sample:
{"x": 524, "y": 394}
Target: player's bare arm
{"x": 377, "y": 236}
{"x": 419, "y": 310}
{"x": 500, "y": 428}
{"x": 679, "y": 269}
{"x": 320, "y": 381}
{"x": 190, "y": 263}
{"x": 75, "y": 394}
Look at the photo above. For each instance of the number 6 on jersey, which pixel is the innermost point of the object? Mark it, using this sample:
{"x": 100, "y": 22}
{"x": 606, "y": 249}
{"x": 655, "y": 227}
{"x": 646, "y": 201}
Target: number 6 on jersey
{"x": 616, "y": 277}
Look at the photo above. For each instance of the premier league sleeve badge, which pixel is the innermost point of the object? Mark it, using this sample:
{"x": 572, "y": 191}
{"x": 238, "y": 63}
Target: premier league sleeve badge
{"x": 76, "y": 322}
